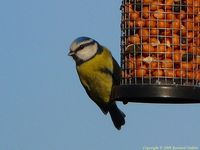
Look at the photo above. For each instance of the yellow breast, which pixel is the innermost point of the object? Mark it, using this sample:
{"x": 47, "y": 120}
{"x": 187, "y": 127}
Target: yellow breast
{"x": 94, "y": 78}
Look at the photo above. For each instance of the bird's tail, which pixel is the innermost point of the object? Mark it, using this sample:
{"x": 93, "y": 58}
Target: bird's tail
{"x": 118, "y": 117}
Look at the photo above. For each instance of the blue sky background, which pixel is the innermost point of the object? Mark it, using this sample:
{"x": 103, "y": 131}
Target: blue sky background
{"x": 42, "y": 103}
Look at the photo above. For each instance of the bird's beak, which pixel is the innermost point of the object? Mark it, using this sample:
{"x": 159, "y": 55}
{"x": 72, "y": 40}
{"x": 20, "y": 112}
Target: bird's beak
{"x": 70, "y": 53}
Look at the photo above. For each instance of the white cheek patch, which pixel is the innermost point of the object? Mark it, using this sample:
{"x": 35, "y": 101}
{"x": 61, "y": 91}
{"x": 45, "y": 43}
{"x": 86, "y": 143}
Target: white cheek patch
{"x": 87, "y": 52}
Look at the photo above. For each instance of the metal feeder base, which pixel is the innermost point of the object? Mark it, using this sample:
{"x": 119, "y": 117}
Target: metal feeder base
{"x": 156, "y": 94}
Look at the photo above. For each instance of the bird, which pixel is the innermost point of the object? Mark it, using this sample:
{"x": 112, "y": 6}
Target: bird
{"x": 98, "y": 72}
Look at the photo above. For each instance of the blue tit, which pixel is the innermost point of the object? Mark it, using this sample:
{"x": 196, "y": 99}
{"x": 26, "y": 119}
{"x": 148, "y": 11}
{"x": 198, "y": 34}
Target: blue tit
{"x": 98, "y": 71}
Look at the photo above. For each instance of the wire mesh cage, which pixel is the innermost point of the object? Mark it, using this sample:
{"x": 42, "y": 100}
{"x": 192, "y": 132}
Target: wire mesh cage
{"x": 160, "y": 51}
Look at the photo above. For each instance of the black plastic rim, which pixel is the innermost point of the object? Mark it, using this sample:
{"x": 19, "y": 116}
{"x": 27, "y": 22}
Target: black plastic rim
{"x": 156, "y": 94}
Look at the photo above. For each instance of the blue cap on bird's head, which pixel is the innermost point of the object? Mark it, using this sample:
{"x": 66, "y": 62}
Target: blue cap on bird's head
{"x": 82, "y": 39}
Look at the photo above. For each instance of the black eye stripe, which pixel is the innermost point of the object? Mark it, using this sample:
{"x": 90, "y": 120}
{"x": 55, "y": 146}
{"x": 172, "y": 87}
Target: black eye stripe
{"x": 84, "y": 45}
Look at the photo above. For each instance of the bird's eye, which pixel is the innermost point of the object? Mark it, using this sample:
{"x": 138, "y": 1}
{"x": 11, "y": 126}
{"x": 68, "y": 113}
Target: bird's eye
{"x": 81, "y": 47}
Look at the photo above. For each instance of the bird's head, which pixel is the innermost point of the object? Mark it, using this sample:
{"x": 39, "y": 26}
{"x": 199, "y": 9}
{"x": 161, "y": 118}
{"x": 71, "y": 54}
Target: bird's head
{"x": 83, "y": 49}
